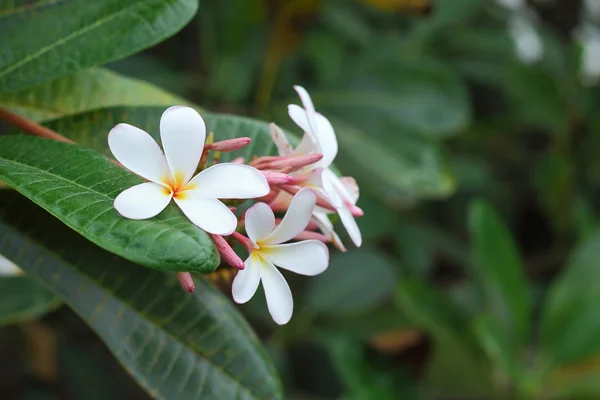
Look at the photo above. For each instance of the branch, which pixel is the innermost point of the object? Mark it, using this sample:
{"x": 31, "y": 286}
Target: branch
{"x": 31, "y": 127}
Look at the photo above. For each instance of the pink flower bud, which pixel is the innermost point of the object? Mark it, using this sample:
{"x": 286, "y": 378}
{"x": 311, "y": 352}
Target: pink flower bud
{"x": 239, "y": 160}
{"x": 244, "y": 241}
{"x": 226, "y": 252}
{"x": 269, "y": 197}
{"x": 186, "y": 281}
{"x": 356, "y": 211}
{"x": 309, "y": 235}
{"x": 320, "y": 201}
{"x": 229, "y": 144}
{"x": 277, "y": 178}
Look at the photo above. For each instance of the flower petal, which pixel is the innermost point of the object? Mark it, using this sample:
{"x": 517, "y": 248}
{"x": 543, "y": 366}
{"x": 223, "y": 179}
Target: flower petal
{"x": 139, "y": 153}
{"x": 326, "y": 227}
{"x": 298, "y": 115}
{"x": 309, "y": 257}
{"x": 351, "y": 188}
{"x": 283, "y": 146}
{"x": 231, "y": 181}
{"x": 350, "y": 225}
{"x": 323, "y": 133}
{"x": 306, "y": 146}
{"x": 260, "y": 221}
{"x": 329, "y": 180}
{"x": 296, "y": 218}
{"x": 182, "y": 132}
{"x": 208, "y": 213}
{"x": 142, "y": 201}
{"x": 8, "y": 268}
{"x": 277, "y": 292}
{"x": 246, "y": 281}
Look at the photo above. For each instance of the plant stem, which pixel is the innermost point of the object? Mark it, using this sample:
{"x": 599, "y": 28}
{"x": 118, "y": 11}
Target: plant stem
{"x": 31, "y": 127}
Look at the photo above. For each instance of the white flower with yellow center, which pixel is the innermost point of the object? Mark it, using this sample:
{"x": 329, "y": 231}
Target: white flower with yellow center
{"x": 170, "y": 174}
{"x": 309, "y": 257}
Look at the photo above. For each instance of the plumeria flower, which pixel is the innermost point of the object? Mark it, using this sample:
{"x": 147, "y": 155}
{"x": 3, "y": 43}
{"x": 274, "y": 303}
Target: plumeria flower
{"x": 170, "y": 174}
{"x": 320, "y": 133}
{"x": 309, "y": 257}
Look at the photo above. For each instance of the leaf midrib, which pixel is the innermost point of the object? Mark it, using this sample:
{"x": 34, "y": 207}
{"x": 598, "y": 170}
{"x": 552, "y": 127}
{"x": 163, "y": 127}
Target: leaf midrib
{"x": 73, "y": 35}
{"x": 130, "y": 307}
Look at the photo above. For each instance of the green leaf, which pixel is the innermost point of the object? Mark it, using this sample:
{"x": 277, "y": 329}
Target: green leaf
{"x": 355, "y": 282}
{"x": 91, "y": 129}
{"x": 429, "y": 310}
{"x": 78, "y": 186}
{"x": 84, "y": 91}
{"x": 571, "y": 322}
{"x": 24, "y": 298}
{"x": 500, "y": 272}
{"x": 176, "y": 345}
{"x": 398, "y": 166}
{"x": 36, "y": 48}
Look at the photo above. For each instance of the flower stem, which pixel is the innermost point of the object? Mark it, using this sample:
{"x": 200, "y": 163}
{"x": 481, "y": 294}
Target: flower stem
{"x": 30, "y": 126}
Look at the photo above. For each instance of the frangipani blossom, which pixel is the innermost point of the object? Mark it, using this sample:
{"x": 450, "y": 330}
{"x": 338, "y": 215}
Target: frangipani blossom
{"x": 8, "y": 268}
{"x": 309, "y": 257}
{"x": 320, "y": 137}
{"x": 170, "y": 174}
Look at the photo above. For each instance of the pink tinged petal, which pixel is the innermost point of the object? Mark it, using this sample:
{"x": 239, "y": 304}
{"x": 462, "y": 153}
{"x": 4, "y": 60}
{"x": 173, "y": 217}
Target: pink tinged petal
{"x": 283, "y": 146}
{"x": 296, "y": 218}
{"x": 246, "y": 281}
{"x": 326, "y": 227}
{"x": 182, "y": 132}
{"x": 244, "y": 241}
{"x": 142, "y": 201}
{"x": 309, "y": 257}
{"x": 139, "y": 153}
{"x": 239, "y": 160}
{"x": 277, "y": 292}
{"x": 259, "y": 222}
{"x": 229, "y": 144}
{"x": 310, "y": 235}
{"x": 351, "y": 187}
{"x": 350, "y": 225}
{"x": 312, "y": 179}
{"x": 281, "y": 202}
{"x": 206, "y": 212}
{"x": 230, "y": 181}
{"x": 186, "y": 281}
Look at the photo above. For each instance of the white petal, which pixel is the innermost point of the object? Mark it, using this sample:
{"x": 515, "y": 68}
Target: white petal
{"x": 230, "y": 181}
{"x": 182, "y": 132}
{"x": 139, "y": 153}
{"x": 351, "y": 188}
{"x": 350, "y": 225}
{"x": 306, "y": 146}
{"x": 298, "y": 115}
{"x": 305, "y": 98}
{"x": 329, "y": 180}
{"x": 208, "y": 213}
{"x": 309, "y": 257}
{"x": 259, "y": 222}
{"x": 246, "y": 281}
{"x": 283, "y": 146}
{"x": 278, "y": 293}
{"x": 326, "y": 227}
{"x": 296, "y": 218}
{"x": 327, "y": 141}
{"x": 142, "y": 201}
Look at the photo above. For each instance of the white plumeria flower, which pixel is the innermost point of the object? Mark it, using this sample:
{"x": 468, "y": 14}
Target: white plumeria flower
{"x": 182, "y": 132}
{"x": 528, "y": 43}
{"x": 324, "y": 141}
{"x": 309, "y": 257}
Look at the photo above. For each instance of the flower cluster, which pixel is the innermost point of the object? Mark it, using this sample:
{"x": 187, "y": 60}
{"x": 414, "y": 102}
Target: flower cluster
{"x": 299, "y": 182}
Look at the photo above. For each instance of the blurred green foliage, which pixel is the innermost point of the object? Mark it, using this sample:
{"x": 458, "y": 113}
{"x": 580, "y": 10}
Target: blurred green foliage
{"x": 479, "y": 179}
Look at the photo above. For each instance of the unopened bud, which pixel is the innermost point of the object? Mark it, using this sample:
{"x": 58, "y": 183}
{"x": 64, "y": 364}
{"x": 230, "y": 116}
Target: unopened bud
{"x": 310, "y": 235}
{"x": 186, "y": 281}
{"x": 355, "y": 210}
{"x": 244, "y": 241}
{"x": 226, "y": 252}
{"x": 277, "y": 178}
{"x": 229, "y": 144}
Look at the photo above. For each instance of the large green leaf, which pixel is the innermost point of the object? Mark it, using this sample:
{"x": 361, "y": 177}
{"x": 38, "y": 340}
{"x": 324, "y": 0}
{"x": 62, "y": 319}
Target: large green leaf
{"x": 571, "y": 322}
{"x": 177, "y": 345}
{"x": 78, "y": 186}
{"x": 23, "y": 298}
{"x": 499, "y": 270}
{"x": 42, "y": 40}
{"x": 84, "y": 91}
